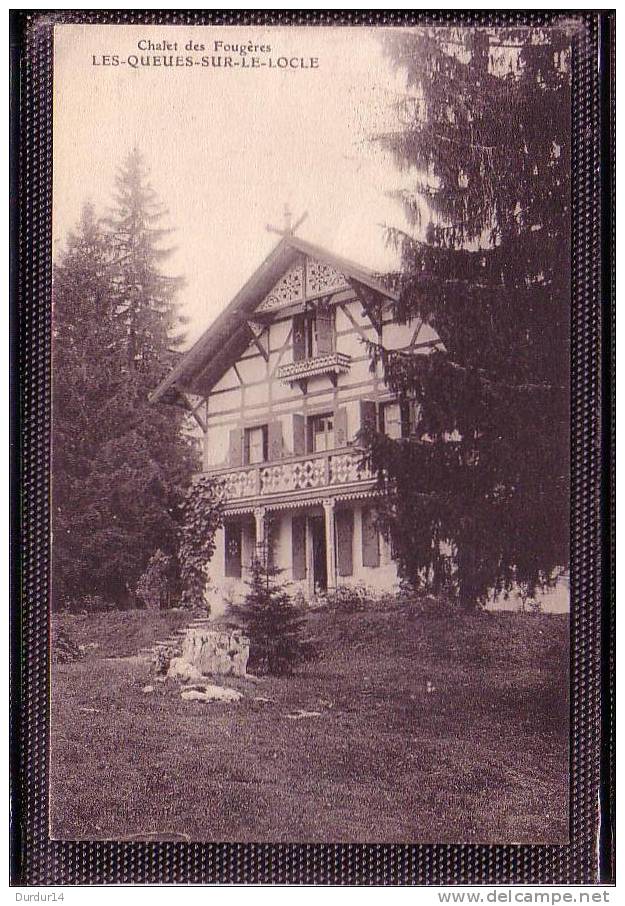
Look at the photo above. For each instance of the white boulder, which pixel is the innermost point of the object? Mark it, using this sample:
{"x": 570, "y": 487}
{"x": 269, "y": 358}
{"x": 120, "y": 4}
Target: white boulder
{"x": 211, "y": 694}
{"x": 181, "y": 669}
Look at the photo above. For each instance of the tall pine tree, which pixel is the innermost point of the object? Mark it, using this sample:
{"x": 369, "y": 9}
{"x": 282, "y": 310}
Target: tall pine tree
{"x": 151, "y": 461}
{"x": 88, "y": 359}
{"x": 146, "y": 298}
{"x": 136, "y": 460}
{"x": 483, "y": 140}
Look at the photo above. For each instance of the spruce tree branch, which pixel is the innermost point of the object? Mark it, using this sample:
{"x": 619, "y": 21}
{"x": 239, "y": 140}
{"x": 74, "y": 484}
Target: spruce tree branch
{"x": 385, "y": 354}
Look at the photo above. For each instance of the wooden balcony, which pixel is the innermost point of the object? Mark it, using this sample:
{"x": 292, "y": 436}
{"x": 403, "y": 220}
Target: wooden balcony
{"x": 331, "y": 363}
{"x": 327, "y": 471}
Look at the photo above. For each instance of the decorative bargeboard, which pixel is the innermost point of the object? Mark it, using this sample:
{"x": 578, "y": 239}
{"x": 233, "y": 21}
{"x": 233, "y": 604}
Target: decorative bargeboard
{"x": 307, "y": 278}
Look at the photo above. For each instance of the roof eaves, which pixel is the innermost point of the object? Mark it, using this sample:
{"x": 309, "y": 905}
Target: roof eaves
{"x": 227, "y": 318}
{"x": 231, "y": 316}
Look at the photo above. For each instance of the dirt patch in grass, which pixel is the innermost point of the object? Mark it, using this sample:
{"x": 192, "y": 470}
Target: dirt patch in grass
{"x": 480, "y": 757}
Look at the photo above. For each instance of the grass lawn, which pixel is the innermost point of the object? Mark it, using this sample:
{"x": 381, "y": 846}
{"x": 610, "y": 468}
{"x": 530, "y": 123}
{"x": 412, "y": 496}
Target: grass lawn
{"x": 481, "y": 758}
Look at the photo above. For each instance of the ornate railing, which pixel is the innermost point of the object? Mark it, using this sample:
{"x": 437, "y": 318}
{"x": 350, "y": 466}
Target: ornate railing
{"x": 330, "y": 363}
{"x": 305, "y": 473}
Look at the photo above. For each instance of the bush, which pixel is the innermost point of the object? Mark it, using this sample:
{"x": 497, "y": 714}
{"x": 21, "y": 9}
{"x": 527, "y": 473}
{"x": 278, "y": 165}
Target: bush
{"x": 350, "y": 598}
{"x": 163, "y": 656}
{"x": 153, "y": 586}
{"x": 64, "y": 649}
{"x": 88, "y": 604}
{"x": 274, "y": 623}
{"x": 359, "y": 598}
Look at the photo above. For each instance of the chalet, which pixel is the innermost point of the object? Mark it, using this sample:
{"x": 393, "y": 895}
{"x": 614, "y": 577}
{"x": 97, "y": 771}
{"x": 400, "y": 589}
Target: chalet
{"x": 281, "y": 383}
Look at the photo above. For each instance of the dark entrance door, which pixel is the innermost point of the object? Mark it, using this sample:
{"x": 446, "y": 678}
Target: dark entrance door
{"x": 320, "y": 563}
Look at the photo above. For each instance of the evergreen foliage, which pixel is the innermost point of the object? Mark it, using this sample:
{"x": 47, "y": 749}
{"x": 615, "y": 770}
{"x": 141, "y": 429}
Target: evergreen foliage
{"x": 202, "y": 515}
{"x": 273, "y": 622}
{"x": 86, "y": 377}
{"x": 478, "y": 495}
{"x": 120, "y": 465}
{"x": 145, "y": 297}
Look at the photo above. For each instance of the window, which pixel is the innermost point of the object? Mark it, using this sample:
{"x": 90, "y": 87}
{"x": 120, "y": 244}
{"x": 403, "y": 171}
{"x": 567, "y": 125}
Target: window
{"x": 313, "y": 333}
{"x": 255, "y": 445}
{"x": 232, "y": 549}
{"x": 392, "y": 420}
{"x": 399, "y": 418}
{"x": 321, "y": 432}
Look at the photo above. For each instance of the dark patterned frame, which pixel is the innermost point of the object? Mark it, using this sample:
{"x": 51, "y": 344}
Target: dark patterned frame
{"x": 588, "y": 858}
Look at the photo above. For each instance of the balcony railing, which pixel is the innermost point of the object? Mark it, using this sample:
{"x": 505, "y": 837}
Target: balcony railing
{"x": 305, "y": 473}
{"x": 329, "y": 363}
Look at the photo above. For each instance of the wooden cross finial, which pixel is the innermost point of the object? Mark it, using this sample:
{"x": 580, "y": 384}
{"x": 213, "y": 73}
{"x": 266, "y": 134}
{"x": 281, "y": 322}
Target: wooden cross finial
{"x": 289, "y": 227}
{"x": 287, "y": 219}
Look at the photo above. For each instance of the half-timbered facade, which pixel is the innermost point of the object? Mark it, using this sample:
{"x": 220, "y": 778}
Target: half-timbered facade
{"x": 281, "y": 384}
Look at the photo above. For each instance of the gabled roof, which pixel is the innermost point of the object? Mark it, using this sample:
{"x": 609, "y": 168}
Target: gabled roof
{"x": 228, "y": 336}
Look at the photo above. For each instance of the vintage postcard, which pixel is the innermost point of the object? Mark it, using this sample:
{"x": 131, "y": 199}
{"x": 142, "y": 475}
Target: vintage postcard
{"x": 310, "y": 438}
{"x": 323, "y": 552}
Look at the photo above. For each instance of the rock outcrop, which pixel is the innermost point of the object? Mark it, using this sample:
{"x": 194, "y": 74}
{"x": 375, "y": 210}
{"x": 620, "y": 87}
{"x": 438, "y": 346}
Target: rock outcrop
{"x": 218, "y": 652}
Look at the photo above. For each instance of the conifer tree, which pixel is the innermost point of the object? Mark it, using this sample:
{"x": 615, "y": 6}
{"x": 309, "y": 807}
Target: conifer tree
{"x": 273, "y": 622}
{"x": 149, "y": 462}
{"x": 88, "y": 354}
{"x": 115, "y": 324}
{"x": 146, "y": 298}
{"x": 480, "y": 490}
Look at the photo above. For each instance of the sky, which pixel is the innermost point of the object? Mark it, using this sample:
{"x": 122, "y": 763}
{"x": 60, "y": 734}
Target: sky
{"x": 228, "y": 148}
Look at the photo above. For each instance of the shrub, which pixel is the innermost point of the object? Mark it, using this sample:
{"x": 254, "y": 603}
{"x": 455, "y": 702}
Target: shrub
{"x": 87, "y": 604}
{"x": 153, "y": 586}
{"x": 64, "y": 649}
{"x": 163, "y": 656}
{"x": 274, "y": 623}
{"x": 350, "y": 598}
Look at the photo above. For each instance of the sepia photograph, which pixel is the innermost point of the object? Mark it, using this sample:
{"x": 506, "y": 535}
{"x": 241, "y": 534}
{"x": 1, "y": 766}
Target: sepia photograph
{"x": 310, "y": 434}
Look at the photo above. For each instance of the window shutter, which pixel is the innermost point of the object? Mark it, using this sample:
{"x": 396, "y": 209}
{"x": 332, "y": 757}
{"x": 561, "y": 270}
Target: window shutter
{"x": 368, "y": 416}
{"x": 299, "y": 435}
{"x": 299, "y": 338}
{"x": 405, "y": 418}
{"x": 274, "y": 442}
{"x": 298, "y": 545}
{"x": 340, "y": 427}
{"x": 370, "y": 539}
{"x": 248, "y": 545}
{"x": 324, "y": 326}
{"x": 235, "y": 455}
{"x": 232, "y": 533}
{"x": 344, "y": 542}
{"x": 415, "y": 414}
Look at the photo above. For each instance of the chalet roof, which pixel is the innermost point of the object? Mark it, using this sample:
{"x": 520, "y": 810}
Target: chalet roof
{"x": 228, "y": 336}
